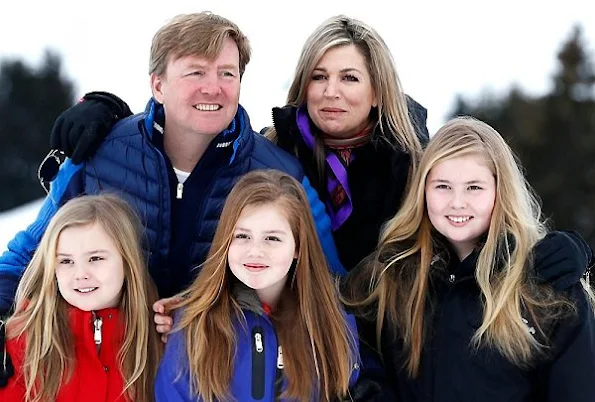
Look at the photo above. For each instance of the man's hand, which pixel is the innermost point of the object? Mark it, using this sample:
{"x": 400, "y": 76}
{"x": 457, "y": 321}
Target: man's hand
{"x": 80, "y": 129}
{"x": 163, "y": 319}
{"x": 561, "y": 258}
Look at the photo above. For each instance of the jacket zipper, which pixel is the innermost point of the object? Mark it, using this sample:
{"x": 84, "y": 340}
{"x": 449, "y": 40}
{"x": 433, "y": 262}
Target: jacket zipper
{"x": 97, "y": 324}
{"x": 258, "y": 363}
{"x": 279, "y": 375}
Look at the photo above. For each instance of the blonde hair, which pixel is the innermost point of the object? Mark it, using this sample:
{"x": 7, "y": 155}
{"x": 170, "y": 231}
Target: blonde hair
{"x": 392, "y": 118}
{"x": 400, "y": 268}
{"x": 41, "y": 312}
{"x": 310, "y": 325}
{"x": 199, "y": 34}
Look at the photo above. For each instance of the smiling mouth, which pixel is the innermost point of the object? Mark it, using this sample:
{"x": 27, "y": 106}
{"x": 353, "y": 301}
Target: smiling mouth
{"x": 86, "y": 290}
{"x": 459, "y": 219}
{"x": 207, "y": 107}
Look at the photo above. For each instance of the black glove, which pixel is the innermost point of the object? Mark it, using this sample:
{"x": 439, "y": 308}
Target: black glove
{"x": 6, "y": 368}
{"x": 561, "y": 258}
{"x": 369, "y": 390}
{"x": 80, "y": 129}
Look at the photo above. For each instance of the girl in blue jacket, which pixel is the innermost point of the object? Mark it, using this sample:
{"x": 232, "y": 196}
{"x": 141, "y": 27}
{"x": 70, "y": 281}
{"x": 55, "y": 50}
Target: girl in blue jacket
{"x": 262, "y": 321}
{"x": 470, "y": 298}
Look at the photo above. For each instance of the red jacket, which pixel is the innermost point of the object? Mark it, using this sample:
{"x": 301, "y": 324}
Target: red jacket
{"x": 96, "y": 377}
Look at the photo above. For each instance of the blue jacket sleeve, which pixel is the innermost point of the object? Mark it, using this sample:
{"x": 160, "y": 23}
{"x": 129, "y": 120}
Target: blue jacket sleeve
{"x": 171, "y": 383}
{"x": 21, "y": 248}
{"x": 570, "y": 377}
{"x": 323, "y": 228}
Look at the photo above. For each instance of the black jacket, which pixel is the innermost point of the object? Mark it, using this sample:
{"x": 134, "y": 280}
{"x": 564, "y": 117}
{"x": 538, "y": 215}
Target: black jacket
{"x": 377, "y": 179}
{"x": 451, "y": 370}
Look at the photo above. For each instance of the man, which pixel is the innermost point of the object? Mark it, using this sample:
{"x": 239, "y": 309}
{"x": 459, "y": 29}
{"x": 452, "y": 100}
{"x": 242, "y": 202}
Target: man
{"x": 177, "y": 161}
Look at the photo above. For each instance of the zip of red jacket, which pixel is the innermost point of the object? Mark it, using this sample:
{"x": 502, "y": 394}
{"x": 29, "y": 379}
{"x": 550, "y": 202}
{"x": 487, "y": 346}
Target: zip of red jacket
{"x": 96, "y": 376}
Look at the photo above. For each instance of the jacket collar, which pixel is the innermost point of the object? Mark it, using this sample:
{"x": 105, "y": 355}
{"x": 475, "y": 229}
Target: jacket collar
{"x": 247, "y": 298}
{"x": 82, "y": 323}
{"x": 236, "y": 136}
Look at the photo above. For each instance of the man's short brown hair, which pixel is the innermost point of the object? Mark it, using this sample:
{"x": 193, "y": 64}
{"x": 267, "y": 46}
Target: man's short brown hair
{"x": 199, "y": 34}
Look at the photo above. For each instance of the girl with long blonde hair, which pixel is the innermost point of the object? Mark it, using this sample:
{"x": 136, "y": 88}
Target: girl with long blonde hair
{"x": 82, "y": 327}
{"x": 468, "y": 296}
{"x": 262, "y": 321}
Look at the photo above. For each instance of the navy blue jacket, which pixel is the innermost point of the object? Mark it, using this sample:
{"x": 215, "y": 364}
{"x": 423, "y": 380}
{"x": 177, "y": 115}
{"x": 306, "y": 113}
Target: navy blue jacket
{"x": 256, "y": 365}
{"x": 178, "y": 232}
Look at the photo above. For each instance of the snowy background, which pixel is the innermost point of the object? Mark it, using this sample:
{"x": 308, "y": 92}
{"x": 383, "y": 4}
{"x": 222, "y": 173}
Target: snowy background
{"x": 441, "y": 48}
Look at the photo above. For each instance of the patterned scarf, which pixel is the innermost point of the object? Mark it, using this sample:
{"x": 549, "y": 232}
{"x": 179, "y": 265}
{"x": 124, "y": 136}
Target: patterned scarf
{"x": 338, "y": 157}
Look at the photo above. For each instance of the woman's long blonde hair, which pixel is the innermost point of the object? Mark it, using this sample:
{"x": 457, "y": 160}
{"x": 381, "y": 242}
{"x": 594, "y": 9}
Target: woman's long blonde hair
{"x": 392, "y": 117}
{"x": 310, "y": 325}
{"x": 401, "y": 267}
{"x": 41, "y": 312}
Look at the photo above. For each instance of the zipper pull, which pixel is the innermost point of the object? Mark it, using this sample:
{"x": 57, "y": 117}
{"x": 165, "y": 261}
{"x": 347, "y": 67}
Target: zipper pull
{"x": 180, "y": 191}
{"x": 258, "y": 342}
{"x": 280, "y": 358}
{"x": 97, "y": 323}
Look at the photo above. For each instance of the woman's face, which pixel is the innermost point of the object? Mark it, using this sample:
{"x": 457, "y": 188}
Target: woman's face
{"x": 340, "y": 94}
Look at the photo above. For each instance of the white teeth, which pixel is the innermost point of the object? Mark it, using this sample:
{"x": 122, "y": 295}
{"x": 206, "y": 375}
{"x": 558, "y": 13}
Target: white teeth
{"x": 85, "y": 290}
{"x": 459, "y": 219}
{"x": 207, "y": 107}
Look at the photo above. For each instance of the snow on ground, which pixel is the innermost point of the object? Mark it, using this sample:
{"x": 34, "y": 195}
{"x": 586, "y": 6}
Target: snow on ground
{"x": 15, "y": 220}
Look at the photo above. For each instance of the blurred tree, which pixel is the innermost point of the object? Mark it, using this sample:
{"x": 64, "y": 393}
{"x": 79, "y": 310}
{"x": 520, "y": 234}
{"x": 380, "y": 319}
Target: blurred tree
{"x": 554, "y": 136}
{"x": 30, "y": 101}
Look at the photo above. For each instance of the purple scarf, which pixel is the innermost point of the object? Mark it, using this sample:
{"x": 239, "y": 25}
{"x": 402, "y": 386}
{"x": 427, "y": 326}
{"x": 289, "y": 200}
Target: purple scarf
{"x": 336, "y": 177}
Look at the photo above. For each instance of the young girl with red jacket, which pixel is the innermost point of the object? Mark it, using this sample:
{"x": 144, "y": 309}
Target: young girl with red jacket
{"x": 82, "y": 328}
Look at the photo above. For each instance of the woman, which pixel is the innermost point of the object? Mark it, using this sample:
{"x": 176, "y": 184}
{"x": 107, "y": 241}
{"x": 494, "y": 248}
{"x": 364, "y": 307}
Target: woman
{"x": 347, "y": 121}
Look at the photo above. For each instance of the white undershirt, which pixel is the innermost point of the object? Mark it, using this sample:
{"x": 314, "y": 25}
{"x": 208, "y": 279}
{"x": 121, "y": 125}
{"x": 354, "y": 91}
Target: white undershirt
{"x": 181, "y": 175}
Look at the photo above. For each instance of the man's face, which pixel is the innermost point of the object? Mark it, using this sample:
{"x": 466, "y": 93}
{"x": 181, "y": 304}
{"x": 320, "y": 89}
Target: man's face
{"x": 200, "y": 96}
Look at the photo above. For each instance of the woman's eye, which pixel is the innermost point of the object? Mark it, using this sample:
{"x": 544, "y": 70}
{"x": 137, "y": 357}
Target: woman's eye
{"x": 272, "y": 238}
{"x": 442, "y": 187}
{"x": 65, "y": 261}
{"x": 96, "y": 258}
{"x": 475, "y": 188}
{"x": 317, "y": 77}
{"x": 351, "y": 78}
{"x": 241, "y": 236}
